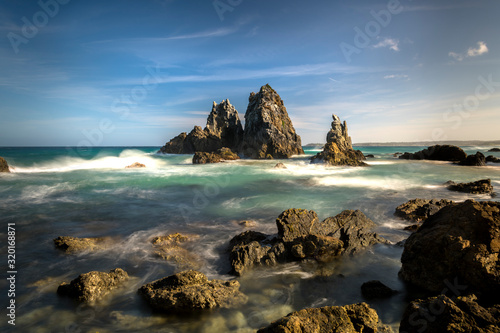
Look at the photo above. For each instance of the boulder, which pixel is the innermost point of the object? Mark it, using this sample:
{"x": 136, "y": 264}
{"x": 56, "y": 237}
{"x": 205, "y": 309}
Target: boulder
{"x": 4, "y": 167}
{"x": 206, "y": 158}
{"x": 190, "y": 291}
{"x": 223, "y": 129}
{"x": 355, "y": 318}
{"x": 255, "y": 254}
{"x": 441, "y": 314}
{"x": 482, "y": 186}
{"x": 370, "y": 156}
{"x": 171, "y": 248}
{"x": 338, "y": 148}
{"x": 74, "y": 244}
{"x": 477, "y": 159}
{"x": 227, "y": 154}
{"x": 280, "y": 166}
{"x": 493, "y": 159}
{"x": 419, "y": 210}
{"x": 135, "y": 165}
{"x": 376, "y": 289}
{"x": 461, "y": 242}
{"x": 494, "y": 150}
{"x": 294, "y": 223}
{"x": 269, "y": 132}
{"x": 93, "y": 286}
{"x": 437, "y": 153}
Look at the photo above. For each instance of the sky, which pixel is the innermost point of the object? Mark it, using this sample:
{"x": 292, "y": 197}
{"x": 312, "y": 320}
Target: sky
{"x": 130, "y": 73}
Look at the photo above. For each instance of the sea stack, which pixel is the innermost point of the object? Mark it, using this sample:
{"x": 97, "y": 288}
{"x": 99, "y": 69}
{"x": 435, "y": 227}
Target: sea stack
{"x": 223, "y": 129}
{"x": 4, "y": 167}
{"x": 269, "y": 132}
{"x": 338, "y": 149}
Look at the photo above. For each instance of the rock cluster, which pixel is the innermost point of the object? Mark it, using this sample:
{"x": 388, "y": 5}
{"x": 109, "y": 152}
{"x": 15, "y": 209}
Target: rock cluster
{"x": 442, "y": 314}
{"x": 75, "y": 244}
{"x": 300, "y": 236}
{"x": 338, "y": 149}
{"x": 4, "y": 167}
{"x": 191, "y": 290}
{"x": 461, "y": 242}
{"x": 419, "y": 210}
{"x": 493, "y": 159}
{"x": 482, "y": 186}
{"x": 447, "y": 153}
{"x": 268, "y": 133}
{"x": 223, "y": 154}
{"x": 355, "y": 318}
{"x": 93, "y": 286}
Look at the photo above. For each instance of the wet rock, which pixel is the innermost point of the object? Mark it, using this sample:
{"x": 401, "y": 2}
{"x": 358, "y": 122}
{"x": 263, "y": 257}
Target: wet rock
{"x": 494, "y": 150}
{"x": 477, "y": 159}
{"x": 437, "y": 153}
{"x": 482, "y": 186}
{"x": 294, "y": 223}
{"x": 227, "y": 154}
{"x": 412, "y": 228}
{"x": 461, "y": 242}
{"x": 135, "y": 165}
{"x": 280, "y": 166}
{"x": 190, "y": 291}
{"x": 338, "y": 148}
{"x": 223, "y": 129}
{"x": 442, "y": 314}
{"x": 493, "y": 159}
{"x": 354, "y": 318}
{"x": 93, "y": 286}
{"x": 206, "y": 158}
{"x": 321, "y": 248}
{"x": 269, "y": 132}
{"x": 255, "y": 254}
{"x": 370, "y": 156}
{"x": 376, "y": 289}
{"x": 170, "y": 248}
{"x": 4, "y": 167}
{"x": 74, "y": 244}
{"x": 419, "y": 210}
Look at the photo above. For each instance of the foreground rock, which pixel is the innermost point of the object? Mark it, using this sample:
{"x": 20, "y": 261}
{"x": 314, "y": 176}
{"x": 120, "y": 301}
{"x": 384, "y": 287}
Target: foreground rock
{"x": 190, "y": 291}
{"x": 92, "y": 286}
{"x": 269, "y": 132}
{"x": 223, "y": 154}
{"x": 171, "y": 248}
{"x": 74, "y": 244}
{"x": 356, "y": 318}
{"x": 376, "y": 289}
{"x": 135, "y": 166}
{"x": 419, "y": 210}
{"x": 482, "y": 186}
{"x": 4, "y": 167}
{"x": 302, "y": 236}
{"x": 442, "y": 314}
{"x": 223, "y": 129}
{"x": 477, "y": 159}
{"x": 437, "y": 153}
{"x": 338, "y": 149}
{"x": 461, "y": 242}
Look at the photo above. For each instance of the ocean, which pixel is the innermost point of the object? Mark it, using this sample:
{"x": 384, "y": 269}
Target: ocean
{"x": 58, "y": 191}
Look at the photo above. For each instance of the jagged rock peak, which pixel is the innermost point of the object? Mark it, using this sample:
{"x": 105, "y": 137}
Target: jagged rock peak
{"x": 269, "y": 132}
{"x": 223, "y": 118}
{"x": 338, "y": 134}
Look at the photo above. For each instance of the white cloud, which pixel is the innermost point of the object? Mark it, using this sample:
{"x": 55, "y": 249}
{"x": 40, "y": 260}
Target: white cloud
{"x": 391, "y": 43}
{"x": 396, "y": 76}
{"x": 471, "y": 52}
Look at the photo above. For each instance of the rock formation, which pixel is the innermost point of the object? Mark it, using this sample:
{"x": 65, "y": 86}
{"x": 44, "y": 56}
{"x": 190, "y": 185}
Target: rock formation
{"x": 302, "y": 236}
{"x": 74, "y": 244}
{"x": 441, "y": 315}
{"x": 493, "y": 159}
{"x": 477, "y": 159}
{"x": 461, "y": 242}
{"x": 191, "y": 290}
{"x": 223, "y": 154}
{"x": 338, "y": 149}
{"x": 419, "y": 210}
{"x": 482, "y": 186}
{"x": 437, "y": 153}
{"x": 93, "y": 286}
{"x": 494, "y": 150}
{"x": 171, "y": 248}
{"x": 223, "y": 129}
{"x": 269, "y": 132}
{"x": 135, "y": 165}
{"x": 355, "y": 318}
{"x": 4, "y": 167}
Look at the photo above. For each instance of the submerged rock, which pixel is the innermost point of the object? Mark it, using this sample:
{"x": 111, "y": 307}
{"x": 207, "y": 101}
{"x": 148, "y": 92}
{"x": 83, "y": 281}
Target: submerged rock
{"x": 170, "y": 248}
{"x": 493, "y": 159}
{"x": 494, "y": 150}
{"x": 191, "y": 290}
{"x": 482, "y": 186}
{"x": 437, "y": 153}
{"x": 269, "y": 132}
{"x": 477, "y": 159}
{"x": 93, "y": 286}
{"x": 74, "y": 244}
{"x": 280, "y": 166}
{"x": 135, "y": 165}
{"x": 4, "y": 167}
{"x": 461, "y": 242}
{"x": 355, "y": 318}
{"x": 419, "y": 210}
{"x": 442, "y": 314}
{"x": 376, "y": 289}
{"x": 338, "y": 149}
{"x": 223, "y": 129}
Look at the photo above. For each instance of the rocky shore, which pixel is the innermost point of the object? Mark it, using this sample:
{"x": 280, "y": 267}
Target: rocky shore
{"x": 4, "y": 167}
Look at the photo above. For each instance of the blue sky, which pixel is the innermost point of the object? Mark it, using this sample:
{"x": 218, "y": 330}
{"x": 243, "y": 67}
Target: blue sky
{"x": 138, "y": 73}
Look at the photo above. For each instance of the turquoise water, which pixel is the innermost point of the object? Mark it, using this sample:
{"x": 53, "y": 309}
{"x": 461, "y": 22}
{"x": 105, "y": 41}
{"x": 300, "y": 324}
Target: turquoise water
{"x": 55, "y": 192}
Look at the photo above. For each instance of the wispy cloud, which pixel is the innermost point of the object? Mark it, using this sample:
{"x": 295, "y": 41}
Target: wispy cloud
{"x": 391, "y": 43}
{"x": 471, "y": 52}
{"x": 396, "y": 76}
